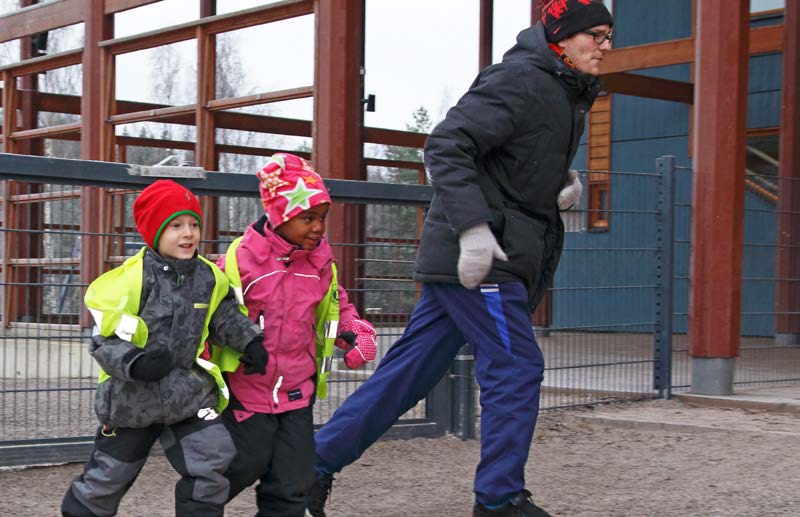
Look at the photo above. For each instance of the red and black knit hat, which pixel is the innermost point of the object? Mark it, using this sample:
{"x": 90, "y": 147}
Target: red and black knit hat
{"x": 159, "y": 204}
{"x": 563, "y": 18}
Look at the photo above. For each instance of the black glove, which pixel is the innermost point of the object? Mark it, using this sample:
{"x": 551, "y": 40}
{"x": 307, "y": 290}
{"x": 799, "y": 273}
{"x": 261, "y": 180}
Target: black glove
{"x": 149, "y": 365}
{"x": 255, "y": 357}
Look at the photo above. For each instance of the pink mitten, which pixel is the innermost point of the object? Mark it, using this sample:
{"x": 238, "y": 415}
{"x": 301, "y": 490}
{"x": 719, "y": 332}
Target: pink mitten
{"x": 358, "y": 338}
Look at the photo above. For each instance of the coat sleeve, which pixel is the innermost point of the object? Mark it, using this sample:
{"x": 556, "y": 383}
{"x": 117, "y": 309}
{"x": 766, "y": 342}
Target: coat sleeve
{"x": 108, "y": 352}
{"x": 229, "y": 327}
{"x": 482, "y": 120}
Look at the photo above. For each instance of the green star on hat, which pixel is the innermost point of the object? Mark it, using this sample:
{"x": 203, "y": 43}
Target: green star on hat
{"x": 299, "y": 196}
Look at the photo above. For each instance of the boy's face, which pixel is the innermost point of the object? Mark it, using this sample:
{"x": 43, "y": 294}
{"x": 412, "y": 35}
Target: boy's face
{"x": 306, "y": 228}
{"x": 180, "y": 238}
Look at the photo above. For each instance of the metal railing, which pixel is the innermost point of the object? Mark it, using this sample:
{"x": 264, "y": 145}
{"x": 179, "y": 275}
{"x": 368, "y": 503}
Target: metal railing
{"x": 769, "y": 346}
{"x": 607, "y": 337}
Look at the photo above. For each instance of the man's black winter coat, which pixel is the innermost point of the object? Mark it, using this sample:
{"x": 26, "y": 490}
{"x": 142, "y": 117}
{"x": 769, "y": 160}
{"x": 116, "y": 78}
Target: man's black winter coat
{"x": 501, "y": 156}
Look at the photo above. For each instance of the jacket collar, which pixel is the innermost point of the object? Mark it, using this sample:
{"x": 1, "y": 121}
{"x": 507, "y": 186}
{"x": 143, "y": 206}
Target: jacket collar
{"x": 181, "y": 267}
{"x": 532, "y": 46}
{"x": 266, "y": 245}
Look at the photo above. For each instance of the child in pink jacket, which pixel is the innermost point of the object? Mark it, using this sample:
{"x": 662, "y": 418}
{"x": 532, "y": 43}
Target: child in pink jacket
{"x": 286, "y": 269}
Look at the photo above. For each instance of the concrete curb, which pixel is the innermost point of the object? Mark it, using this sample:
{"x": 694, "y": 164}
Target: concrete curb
{"x": 753, "y": 402}
{"x": 648, "y": 425}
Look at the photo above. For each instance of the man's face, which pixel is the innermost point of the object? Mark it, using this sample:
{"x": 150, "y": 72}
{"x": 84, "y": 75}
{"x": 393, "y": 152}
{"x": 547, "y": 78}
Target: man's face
{"x": 582, "y": 50}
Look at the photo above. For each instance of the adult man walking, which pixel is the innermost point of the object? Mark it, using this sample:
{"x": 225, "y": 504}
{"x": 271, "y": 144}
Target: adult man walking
{"x": 491, "y": 242}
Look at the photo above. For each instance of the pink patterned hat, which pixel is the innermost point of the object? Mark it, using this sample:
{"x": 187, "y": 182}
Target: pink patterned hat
{"x": 289, "y": 185}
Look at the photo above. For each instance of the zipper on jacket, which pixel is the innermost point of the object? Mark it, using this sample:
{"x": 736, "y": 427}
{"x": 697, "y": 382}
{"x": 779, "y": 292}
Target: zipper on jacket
{"x": 261, "y": 320}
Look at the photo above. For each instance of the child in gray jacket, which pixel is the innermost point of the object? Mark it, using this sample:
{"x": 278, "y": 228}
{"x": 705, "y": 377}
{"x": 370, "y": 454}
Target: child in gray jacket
{"x": 153, "y": 315}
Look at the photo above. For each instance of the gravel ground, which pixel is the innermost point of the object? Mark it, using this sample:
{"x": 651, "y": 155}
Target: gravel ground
{"x": 656, "y": 458}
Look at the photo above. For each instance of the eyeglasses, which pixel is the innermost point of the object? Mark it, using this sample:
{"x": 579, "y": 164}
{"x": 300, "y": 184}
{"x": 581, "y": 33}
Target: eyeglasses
{"x": 599, "y": 37}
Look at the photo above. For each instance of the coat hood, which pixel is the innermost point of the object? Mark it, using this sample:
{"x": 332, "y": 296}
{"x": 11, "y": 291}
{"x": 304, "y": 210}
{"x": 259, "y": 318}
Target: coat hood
{"x": 532, "y": 47}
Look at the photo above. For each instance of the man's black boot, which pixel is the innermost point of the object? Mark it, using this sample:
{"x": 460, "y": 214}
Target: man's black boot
{"x": 521, "y": 505}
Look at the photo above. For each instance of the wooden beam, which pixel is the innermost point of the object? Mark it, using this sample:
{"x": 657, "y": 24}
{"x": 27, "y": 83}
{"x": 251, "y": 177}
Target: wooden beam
{"x": 117, "y": 6}
{"x": 263, "y": 123}
{"x": 398, "y": 164}
{"x": 47, "y": 132}
{"x": 96, "y": 141}
{"x": 42, "y": 64}
{"x": 213, "y": 24}
{"x": 763, "y": 40}
{"x": 718, "y": 181}
{"x": 338, "y": 88}
{"x": 205, "y": 154}
{"x": 651, "y": 55}
{"x": 339, "y": 121}
{"x": 787, "y": 288}
{"x": 38, "y": 197}
{"x": 151, "y": 115}
{"x": 302, "y": 92}
{"x": 485, "y": 33}
{"x": 376, "y": 135}
{"x": 259, "y": 15}
{"x": 649, "y": 87}
{"x": 40, "y": 18}
{"x": 10, "y": 103}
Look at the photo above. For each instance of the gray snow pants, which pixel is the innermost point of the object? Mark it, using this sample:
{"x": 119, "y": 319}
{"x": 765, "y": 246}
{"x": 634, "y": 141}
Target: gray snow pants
{"x": 199, "y": 450}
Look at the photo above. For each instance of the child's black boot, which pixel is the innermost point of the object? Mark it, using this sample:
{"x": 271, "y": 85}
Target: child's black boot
{"x": 318, "y": 495}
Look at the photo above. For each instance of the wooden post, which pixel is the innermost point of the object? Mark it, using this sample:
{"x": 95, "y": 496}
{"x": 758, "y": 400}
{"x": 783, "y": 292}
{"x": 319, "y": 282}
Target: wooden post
{"x": 96, "y": 137}
{"x": 339, "y": 119}
{"x": 205, "y": 153}
{"x": 787, "y": 288}
{"x": 721, "y": 54}
{"x": 486, "y": 31}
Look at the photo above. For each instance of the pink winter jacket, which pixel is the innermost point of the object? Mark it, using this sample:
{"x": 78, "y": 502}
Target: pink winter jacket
{"x": 282, "y": 284}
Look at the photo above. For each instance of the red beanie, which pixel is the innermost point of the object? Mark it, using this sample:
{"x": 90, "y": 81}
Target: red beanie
{"x": 289, "y": 185}
{"x": 159, "y": 204}
{"x": 563, "y": 18}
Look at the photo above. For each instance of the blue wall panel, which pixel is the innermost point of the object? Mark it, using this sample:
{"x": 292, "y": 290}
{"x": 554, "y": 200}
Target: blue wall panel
{"x": 636, "y": 118}
{"x": 637, "y": 22}
{"x": 594, "y": 266}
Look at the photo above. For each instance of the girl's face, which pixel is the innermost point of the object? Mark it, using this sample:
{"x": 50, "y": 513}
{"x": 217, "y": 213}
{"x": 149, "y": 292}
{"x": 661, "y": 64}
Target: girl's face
{"x": 306, "y": 228}
{"x": 179, "y": 240}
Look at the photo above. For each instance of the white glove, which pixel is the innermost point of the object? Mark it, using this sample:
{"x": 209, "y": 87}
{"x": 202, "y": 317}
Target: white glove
{"x": 478, "y": 248}
{"x": 571, "y": 194}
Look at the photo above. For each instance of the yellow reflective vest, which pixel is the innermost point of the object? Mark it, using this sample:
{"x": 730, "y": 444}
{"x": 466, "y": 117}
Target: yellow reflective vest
{"x": 113, "y": 299}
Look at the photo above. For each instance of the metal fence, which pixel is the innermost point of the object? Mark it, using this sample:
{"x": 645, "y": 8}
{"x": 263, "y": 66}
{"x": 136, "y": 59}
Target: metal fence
{"x": 769, "y": 350}
{"x": 602, "y": 341}
{"x": 605, "y": 334}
